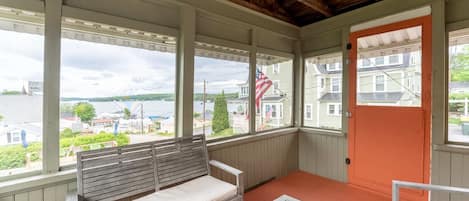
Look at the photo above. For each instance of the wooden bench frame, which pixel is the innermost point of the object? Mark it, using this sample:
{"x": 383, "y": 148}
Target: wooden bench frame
{"x": 121, "y": 172}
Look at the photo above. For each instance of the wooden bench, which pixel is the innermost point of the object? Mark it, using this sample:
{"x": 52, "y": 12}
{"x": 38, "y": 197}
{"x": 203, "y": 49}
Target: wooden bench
{"x": 176, "y": 169}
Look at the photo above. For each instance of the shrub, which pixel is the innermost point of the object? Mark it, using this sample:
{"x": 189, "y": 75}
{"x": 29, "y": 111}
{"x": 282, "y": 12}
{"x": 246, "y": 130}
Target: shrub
{"x": 12, "y": 156}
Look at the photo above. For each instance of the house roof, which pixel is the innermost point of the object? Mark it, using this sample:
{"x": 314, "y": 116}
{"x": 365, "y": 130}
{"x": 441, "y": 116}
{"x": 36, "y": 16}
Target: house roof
{"x": 369, "y": 97}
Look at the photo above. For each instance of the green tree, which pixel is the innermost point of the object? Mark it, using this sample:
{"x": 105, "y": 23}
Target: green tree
{"x": 85, "y": 111}
{"x": 220, "y": 119}
{"x": 127, "y": 113}
{"x": 1, "y": 117}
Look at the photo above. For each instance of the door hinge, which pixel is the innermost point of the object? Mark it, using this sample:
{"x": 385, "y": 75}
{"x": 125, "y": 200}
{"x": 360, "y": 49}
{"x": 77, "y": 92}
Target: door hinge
{"x": 349, "y": 46}
{"x": 348, "y": 114}
{"x": 347, "y": 161}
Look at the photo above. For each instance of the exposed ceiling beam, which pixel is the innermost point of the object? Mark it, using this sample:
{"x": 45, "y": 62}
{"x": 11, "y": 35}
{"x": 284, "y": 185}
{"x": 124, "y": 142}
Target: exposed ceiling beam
{"x": 318, "y": 6}
{"x": 273, "y": 13}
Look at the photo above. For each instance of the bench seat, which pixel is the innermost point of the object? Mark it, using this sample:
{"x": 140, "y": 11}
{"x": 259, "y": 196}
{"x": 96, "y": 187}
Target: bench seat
{"x": 205, "y": 188}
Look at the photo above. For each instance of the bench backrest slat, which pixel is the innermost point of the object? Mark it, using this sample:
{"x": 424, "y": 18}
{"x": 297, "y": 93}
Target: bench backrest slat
{"x": 181, "y": 160}
{"x": 120, "y": 172}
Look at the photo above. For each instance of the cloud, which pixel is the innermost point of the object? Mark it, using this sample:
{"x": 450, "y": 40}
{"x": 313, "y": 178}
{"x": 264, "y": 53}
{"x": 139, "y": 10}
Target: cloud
{"x": 99, "y": 70}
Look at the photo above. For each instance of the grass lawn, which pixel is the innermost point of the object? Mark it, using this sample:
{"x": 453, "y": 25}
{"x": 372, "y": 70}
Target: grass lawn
{"x": 224, "y": 133}
{"x": 168, "y": 134}
{"x": 456, "y": 121}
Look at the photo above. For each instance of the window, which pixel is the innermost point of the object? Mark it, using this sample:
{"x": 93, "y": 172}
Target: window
{"x": 21, "y": 94}
{"x": 276, "y": 68}
{"x": 335, "y": 84}
{"x": 218, "y": 76}
{"x": 332, "y": 67}
{"x": 334, "y": 109}
{"x": 379, "y": 61}
{"x": 274, "y": 94}
{"x": 276, "y": 84}
{"x": 322, "y": 88}
{"x": 387, "y": 82}
{"x": 308, "y": 112}
{"x": 365, "y": 62}
{"x": 394, "y": 59}
{"x": 117, "y": 87}
{"x": 380, "y": 83}
{"x": 458, "y": 87}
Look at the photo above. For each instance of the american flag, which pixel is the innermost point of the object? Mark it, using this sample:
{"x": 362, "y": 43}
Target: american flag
{"x": 263, "y": 84}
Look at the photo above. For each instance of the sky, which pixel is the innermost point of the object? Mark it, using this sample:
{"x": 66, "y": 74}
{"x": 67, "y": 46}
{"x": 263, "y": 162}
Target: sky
{"x": 101, "y": 70}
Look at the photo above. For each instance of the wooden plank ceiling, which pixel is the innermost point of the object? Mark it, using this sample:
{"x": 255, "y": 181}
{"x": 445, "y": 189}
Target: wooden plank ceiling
{"x": 303, "y": 12}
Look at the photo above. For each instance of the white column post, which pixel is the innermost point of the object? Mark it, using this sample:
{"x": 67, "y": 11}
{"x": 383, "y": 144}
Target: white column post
{"x": 298, "y": 81}
{"x": 185, "y": 73}
{"x": 51, "y": 98}
{"x": 252, "y": 82}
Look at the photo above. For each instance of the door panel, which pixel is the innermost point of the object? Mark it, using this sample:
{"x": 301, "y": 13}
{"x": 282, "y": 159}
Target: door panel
{"x": 390, "y": 85}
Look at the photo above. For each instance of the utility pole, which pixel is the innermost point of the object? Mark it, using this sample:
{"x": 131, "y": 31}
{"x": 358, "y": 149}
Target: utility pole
{"x": 141, "y": 115}
{"x": 203, "y": 108}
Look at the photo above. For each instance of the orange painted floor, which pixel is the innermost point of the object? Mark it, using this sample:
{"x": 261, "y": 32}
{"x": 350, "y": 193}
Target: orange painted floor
{"x": 308, "y": 187}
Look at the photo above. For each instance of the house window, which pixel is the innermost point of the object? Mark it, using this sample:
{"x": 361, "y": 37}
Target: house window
{"x": 276, "y": 68}
{"x": 379, "y": 61}
{"x": 274, "y": 111}
{"x": 276, "y": 84}
{"x": 334, "y": 109}
{"x": 15, "y": 138}
{"x": 21, "y": 90}
{"x": 321, "y": 87}
{"x": 269, "y": 90}
{"x": 366, "y": 62}
{"x": 379, "y": 83}
{"x": 335, "y": 84}
{"x": 395, "y": 59}
{"x": 309, "y": 112}
{"x": 333, "y": 66}
{"x": 458, "y": 87}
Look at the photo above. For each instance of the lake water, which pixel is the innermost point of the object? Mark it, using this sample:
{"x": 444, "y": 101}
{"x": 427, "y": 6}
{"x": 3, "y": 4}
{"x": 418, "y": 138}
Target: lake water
{"x": 18, "y": 109}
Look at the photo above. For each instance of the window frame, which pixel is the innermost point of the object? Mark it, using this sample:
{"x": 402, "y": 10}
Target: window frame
{"x": 333, "y": 50}
{"x": 310, "y": 111}
{"x": 339, "y": 85}
{"x": 375, "y": 83}
{"x": 291, "y": 57}
{"x": 464, "y": 145}
{"x": 337, "y": 109}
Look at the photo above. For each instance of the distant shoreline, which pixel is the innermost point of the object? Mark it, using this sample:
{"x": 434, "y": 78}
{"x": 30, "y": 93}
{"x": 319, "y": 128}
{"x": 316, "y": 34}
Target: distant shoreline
{"x": 148, "y": 97}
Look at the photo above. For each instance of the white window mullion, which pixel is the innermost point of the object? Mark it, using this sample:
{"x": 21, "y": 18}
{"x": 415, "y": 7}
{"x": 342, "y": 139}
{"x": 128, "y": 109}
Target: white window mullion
{"x": 51, "y": 102}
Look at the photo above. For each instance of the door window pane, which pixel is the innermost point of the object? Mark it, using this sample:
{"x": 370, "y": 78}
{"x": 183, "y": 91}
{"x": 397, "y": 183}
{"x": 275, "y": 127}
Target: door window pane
{"x": 458, "y": 87}
{"x": 21, "y": 91}
{"x": 117, "y": 87}
{"x": 220, "y": 74}
{"x": 323, "y": 91}
{"x": 385, "y": 81}
{"x": 274, "y": 92}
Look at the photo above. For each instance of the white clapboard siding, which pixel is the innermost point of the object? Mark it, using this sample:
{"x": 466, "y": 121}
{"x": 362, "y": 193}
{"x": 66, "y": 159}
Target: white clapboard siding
{"x": 323, "y": 155}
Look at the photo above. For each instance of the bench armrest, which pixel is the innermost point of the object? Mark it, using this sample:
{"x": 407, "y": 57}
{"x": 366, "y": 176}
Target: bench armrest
{"x": 238, "y": 173}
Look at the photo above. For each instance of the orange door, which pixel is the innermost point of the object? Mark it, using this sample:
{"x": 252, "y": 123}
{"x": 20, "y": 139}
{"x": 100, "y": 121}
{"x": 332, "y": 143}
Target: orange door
{"x": 389, "y": 125}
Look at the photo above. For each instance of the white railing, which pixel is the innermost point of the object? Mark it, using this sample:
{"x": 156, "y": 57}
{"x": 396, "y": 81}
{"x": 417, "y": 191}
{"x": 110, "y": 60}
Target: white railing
{"x": 428, "y": 187}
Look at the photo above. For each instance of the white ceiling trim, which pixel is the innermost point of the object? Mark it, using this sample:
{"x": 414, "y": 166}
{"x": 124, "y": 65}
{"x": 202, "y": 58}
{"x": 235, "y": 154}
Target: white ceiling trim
{"x": 406, "y": 15}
